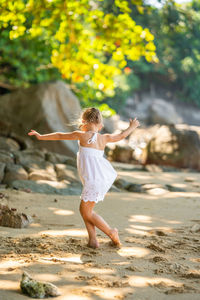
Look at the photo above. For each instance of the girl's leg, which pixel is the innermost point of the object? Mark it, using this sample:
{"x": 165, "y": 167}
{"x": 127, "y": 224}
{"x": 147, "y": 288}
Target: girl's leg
{"x": 91, "y": 217}
{"x": 84, "y": 209}
{"x": 100, "y": 223}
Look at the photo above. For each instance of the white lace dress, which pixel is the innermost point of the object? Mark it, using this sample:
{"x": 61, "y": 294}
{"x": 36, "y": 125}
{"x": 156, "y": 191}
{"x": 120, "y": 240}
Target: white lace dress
{"x": 96, "y": 172}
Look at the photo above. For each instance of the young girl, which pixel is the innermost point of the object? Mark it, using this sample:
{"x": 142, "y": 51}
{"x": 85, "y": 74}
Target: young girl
{"x": 96, "y": 173}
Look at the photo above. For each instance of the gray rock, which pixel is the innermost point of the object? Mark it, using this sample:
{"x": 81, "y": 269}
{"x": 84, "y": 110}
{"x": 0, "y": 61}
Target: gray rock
{"x": 148, "y": 186}
{"x": 57, "y": 158}
{"x": 121, "y": 183}
{"x": 163, "y": 112}
{"x": 135, "y": 187}
{"x": 47, "y": 187}
{"x": 46, "y": 107}
{"x": 41, "y": 171}
{"x": 195, "y": 228}
{"x": 41, "y": 175}
{"x": 152, "y": 168}
{"x": 35, "y": 187}
{"x": 28, "y": 156}
{"x": 173, "y": 188}
{"x": 24, "y": 142}
{"x": 174, "y": 146}
{"x": 37, "y": 289}
{"x": 65, "y": 172}
{"x": 6, "y": 157}
{"x": 114, "y": 189}
{"x": 2, "y": 168}
{"x": 14, "y": 172}
{"x": 40, "y": 166}
{"x": 8, "y": 144}
{"x": 10, "y": 218}
{"x": 121, "y": 153}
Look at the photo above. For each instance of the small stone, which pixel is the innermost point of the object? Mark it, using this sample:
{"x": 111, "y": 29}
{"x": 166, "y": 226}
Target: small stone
{"x": 121, "y": 183}
{"x": 37, "y": 289}
{"x": 195, "y": 228}
{"x": 10, "y": 218}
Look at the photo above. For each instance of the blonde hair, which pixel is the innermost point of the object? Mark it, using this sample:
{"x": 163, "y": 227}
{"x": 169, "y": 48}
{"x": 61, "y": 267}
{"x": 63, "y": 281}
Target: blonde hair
{"x": 90, "y": 115}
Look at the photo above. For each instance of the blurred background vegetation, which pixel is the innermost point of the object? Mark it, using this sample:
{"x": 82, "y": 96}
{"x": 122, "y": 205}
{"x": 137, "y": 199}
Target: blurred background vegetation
{"x": 106, "y": 50}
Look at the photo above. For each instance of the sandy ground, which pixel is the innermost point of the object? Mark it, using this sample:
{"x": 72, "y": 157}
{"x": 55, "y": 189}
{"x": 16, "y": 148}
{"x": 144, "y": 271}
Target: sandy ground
{"x": 159, "y": 258}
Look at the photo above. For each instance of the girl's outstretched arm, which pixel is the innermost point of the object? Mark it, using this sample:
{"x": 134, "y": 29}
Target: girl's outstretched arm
{"x": 56, "y": 136}
{"x": 115, "y": 137}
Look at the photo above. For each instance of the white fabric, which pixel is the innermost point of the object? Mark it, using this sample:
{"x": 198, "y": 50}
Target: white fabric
{"x": 93, "y": 139}
{"x": 96, "y": 173}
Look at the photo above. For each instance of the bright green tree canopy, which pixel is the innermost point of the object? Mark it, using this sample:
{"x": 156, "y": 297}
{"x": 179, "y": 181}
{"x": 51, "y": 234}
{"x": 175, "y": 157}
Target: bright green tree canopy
{"x": 86, "y": 44}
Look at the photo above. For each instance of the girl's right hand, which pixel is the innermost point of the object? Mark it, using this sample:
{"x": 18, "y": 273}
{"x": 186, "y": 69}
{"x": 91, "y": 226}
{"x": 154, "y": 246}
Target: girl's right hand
{"x": 134, "y": 123}
{"x": 33, "y": 132}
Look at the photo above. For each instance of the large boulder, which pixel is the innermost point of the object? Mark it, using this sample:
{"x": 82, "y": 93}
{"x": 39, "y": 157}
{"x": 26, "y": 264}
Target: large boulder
{"x": 8, "y": 144}
{"x": 121, "y": 153}
{"x": 163, "y": 112}
{"x": 42, "y": 170}
{"x": 65, "y": 172}
{"x": 46, "y": 107}
{"x": 29, "y": 156}
{"x": 6, "y": 157}
{"x": 57, "y": 158}
{"x": 48, "y": 187}
{"x": 14, "y": 172}
{"x": 159, "y": 106}
{"x": 177, "y": 146}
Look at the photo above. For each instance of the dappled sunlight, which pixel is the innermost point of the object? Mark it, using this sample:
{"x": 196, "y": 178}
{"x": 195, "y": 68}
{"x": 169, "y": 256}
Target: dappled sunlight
{"x": 10, "y": 264}
{"x": 74, "y": 259}
{"x": 141, "y": 281}
{"x": 70, "y": 296}
{"x": 9, "y": 285}
{"x": 67, "y": 232}
{"x": 142, "y": 175}
{"x": 62, "y": 212}
{"x": 140, "y": 218}
{"x": 184, "y": 195}
{"x": 109, "y": 294}
{"x": 133, "y": 251}
{"x": 136, "y": 231}
{"x": 169, "y": 222}
{"x": 141, "y": 227}
{"x": 157, "y": 191}
{"x": 46, "y": 277}
{"x": 35, "y": 225}
{"x": 99, "y": 271}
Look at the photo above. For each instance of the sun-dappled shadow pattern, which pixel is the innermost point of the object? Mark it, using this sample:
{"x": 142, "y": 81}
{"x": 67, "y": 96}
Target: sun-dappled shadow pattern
{"x": 159, "y": 253}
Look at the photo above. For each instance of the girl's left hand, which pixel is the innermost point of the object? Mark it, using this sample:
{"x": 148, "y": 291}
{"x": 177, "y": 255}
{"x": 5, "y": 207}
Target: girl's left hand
{"x": 33, "y": 132}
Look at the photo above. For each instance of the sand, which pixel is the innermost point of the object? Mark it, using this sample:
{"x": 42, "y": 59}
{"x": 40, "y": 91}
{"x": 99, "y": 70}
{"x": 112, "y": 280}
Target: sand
{"x": 159, "y": 258}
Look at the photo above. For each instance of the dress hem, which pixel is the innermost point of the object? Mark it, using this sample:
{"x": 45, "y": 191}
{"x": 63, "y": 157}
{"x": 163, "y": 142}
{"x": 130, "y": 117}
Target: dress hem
{"x": 91, "y": 200}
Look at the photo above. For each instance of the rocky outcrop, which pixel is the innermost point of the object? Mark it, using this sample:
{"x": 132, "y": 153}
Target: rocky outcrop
{"x": 121, "y": 153}
{"x": 46, "y": 107}
{"x": 163, "y": 112}
{"x": 177, "y": 146}
{"x": 158, "y": 106}
{"x": 14, "y": 172}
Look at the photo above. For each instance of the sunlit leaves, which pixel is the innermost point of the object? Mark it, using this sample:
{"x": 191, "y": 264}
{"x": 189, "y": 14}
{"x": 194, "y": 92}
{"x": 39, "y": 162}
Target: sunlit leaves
{"x": 81, "y": 36}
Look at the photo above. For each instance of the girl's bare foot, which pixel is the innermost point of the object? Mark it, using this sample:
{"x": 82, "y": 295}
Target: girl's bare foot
{"x": 93, "y": 244}
{"x": 115, "y": 237}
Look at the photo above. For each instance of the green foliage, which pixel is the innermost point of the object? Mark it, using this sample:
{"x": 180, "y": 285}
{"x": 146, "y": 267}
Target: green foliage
{"x": 177, "y": 38}
{"x": 89, "y": 46}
